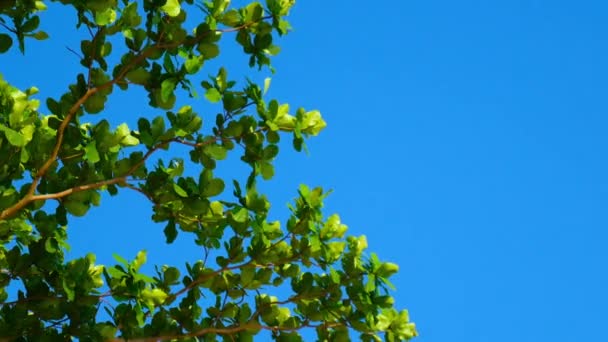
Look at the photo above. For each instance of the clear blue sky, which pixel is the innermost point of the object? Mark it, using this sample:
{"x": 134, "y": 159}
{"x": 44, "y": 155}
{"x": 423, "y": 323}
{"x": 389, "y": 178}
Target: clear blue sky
{"x": 466, "y": 139}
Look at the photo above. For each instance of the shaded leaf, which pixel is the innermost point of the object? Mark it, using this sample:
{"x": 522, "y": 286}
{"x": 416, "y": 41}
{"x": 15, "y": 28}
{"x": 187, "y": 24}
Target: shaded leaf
{"x": 5, "y": 42}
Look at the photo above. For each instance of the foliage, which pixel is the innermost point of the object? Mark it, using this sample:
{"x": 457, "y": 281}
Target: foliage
{"x": 57, "y": 165}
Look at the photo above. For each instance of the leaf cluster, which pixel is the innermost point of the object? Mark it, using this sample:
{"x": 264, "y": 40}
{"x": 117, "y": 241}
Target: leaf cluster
{"x": 57, "y": 165}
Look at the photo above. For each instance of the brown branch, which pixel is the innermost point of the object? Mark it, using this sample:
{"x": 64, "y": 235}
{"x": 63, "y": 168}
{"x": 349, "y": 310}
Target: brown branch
{"x": 29, "y": 197}
{"x": 78, "y": 188}
{"x": 96, "y": 185}
{"x": 120, "y": 179}
{"x": 57, "y": 298}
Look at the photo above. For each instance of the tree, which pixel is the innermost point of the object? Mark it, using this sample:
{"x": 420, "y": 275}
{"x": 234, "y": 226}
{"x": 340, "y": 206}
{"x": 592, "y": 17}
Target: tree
{"x": 55, "y": 166}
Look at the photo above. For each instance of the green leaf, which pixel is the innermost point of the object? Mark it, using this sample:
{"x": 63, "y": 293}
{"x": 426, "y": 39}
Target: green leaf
{"x": 140, "y": 259}
{"x": 253, "y": 12}
{"x": 247, "y": 275}
{"x": 164, "y": 104}
{"x": 120, "y": 259}
{"x": 370, "y": 286}
{"x": 105, "y": 17}
{"x": 90, "y": 153}
{"x": 153, "y": 297}
{"x": 273, "y": 137}
{"x": 96, "y": 103}
{"x": 193, "y": 64}
{"x": 76, "y": 208}
{"x": 387, "y": 269}
{"x": 106, "y": 331}
{"x": 273, "y": 50}
{"x": 158, "y": 127}
{"x": 172, "y": 8}
{"x": 171, "y": 275}
{"x": 122, "y": 130}
{"x": 139, "y": 314}
{"x": 138, "y": 76}
{"x": 217, "y": 208}
{"x": 123, "y": 134}
{"x": 31, "y": 24}
{"x": 178, "y": 190}
{"x": 167, "y": 87}
{"x": 270, "y": 152}
{"x": 273, "y": 109}
{"x": 39, "y": 5}
{"x": 209, "y": 50}
{"x": 51, "y": 245}
{"x": 286, "y": 122}
{"x": 53, "y": 106}
{"x": 14, "y": 138}
{"x": 68, "y": 290}
{"x": 313, "y": 123}
{"x": 213, "y": 95}
{"x": 217, "y": 152}
{"x": 40, "y": 35}
{"x": 170, "y": 231}
{"x": 333, "y": 228}
{"x": 231, "y": 18}
{"x": 222, "y": 79}
{"x": 214, "y": 188}
{"x": 241, "y": 215}
{"x": 267, "y": 170}
{"x": 129, "y": 140}
{"x": 266, "y": 85}
{"x": 168, "y": 64}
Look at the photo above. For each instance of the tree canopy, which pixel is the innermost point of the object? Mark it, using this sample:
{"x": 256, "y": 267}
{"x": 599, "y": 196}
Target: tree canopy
{"x": 259, "y": 275}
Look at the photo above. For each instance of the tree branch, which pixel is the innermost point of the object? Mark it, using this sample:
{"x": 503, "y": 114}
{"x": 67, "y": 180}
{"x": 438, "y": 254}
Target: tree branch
{"x": 29, "y": 197}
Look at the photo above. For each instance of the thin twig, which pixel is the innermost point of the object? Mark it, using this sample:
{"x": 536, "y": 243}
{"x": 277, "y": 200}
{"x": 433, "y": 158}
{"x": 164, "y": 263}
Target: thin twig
{"x": 10, "y": 29}
{"x": 74, "y": 52}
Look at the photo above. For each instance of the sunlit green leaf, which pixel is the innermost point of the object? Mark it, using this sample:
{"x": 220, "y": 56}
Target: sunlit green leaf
{"x": 91, "y": 153}
{"x": 213, "y": 95}
{"x": 105, "y": 17}
{"x": 178, "y": 190}
{"x": 14, "y": 138}
{"x": 172, "y": 8}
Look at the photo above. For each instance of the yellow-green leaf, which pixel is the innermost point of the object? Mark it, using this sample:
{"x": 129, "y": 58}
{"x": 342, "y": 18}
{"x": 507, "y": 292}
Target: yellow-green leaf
{"x": 105, "y": 17}
{"x": 14, "y": 138}
{"x": 172, "y": 8}
{"x": 213, "y": 95}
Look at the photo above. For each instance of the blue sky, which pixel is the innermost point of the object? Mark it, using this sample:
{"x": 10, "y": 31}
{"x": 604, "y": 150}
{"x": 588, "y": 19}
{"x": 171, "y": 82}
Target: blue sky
{"x": 466, "y": 139}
